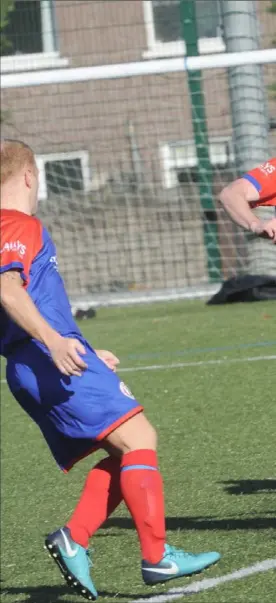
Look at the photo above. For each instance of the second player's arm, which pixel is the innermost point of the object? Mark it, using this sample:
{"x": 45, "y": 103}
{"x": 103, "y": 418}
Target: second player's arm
{"x": 236, "y": 198}
{"x": 19, "y": 306}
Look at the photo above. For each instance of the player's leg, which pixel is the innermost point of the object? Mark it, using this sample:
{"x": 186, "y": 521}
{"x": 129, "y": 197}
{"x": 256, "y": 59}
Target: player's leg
{"x": 96, "y": 408}
{"x": 103, "y": 492}
{"x": 101, "y": 495}
{"x": 140, "y": 484}
{"x": 69, "y": 545}
{"x": 142, "y": 490}
{"x": 30, "y": 387}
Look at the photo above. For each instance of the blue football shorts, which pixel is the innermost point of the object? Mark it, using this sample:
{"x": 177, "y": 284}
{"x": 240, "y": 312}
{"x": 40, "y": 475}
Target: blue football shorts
{"x": 75, "y": 414}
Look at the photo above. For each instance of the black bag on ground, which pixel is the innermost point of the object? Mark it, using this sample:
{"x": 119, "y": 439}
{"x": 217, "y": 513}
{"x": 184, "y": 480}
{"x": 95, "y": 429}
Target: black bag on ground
{"x": 247, "y": 288}
{"x": 84, "y": 314}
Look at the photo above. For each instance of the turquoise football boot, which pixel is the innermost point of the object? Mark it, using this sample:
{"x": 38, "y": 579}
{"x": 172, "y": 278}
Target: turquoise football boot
{"x": 176, "y": 563}
{"x": 73, "y": 561}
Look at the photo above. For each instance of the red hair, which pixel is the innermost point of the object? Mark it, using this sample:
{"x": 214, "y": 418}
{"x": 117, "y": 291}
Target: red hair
{"x": 15, "y": 154}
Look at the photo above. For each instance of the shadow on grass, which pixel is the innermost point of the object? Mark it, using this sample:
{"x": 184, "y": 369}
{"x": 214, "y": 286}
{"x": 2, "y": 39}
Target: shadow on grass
{"x": 201, "y": 523}
{"x": 250, "y": 486}
{"x": 37, "y": 594}
{"x": 53, "y": 594}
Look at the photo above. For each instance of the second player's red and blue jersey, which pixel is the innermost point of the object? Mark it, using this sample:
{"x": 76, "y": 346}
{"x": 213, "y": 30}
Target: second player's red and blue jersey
{"x": 27, "y": 246}
{"x": 263, "y": 179}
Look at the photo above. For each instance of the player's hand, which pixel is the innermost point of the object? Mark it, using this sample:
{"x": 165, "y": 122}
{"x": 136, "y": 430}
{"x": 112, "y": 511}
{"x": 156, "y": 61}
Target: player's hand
{"x": 66, "y": 354}
{"x": 266, "y": 230}
{"x": 108, "y": 358}
{"x": 269, "y": 229}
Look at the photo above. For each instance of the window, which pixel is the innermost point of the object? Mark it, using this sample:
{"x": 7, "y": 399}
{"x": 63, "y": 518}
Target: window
{"x": 62, "y": 173}
{"x": 177, "y": 157}
{"x": 164, "y": 33}
{"x": 29, "y": 40}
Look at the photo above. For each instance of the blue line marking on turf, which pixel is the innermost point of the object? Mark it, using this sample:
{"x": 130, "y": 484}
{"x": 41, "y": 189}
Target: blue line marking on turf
{"x": 191, "y": 351}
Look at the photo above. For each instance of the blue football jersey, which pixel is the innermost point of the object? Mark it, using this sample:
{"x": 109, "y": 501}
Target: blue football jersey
{"x": 27, "y": 246}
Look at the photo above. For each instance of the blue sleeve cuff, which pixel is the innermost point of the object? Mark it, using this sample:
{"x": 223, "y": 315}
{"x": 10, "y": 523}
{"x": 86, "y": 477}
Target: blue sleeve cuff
{"x": 14, "y": 266}
{"x": 253, "y": 181}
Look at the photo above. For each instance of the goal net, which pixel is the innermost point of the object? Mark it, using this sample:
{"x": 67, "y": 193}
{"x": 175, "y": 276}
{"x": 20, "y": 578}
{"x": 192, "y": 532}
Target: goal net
{"x": 122, "y": 189}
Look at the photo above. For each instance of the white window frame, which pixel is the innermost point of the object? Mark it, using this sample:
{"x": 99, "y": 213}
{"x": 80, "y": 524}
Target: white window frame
{"x": 41, "y": 160}
{"x": 220, "y": 152}
{"x": 157, "y": 49}
{"x": 49, "y": 58}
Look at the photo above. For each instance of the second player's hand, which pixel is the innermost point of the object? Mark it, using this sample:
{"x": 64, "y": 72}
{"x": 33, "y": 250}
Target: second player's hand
{"x": 66, "y": 354}
{"x": 266, "y": 229}
{"x": 108, "y": 358}
{"x": 270, "y": 229}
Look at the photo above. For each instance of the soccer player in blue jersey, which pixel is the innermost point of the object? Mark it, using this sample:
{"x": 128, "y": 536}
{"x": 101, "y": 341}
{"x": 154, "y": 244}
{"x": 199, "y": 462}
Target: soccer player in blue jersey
{"x": 73, "y": 394}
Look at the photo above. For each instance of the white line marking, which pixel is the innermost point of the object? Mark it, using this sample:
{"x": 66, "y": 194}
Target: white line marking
{"x": 199, "y": 586}
{"x": 175, "y": 365}
{"x": 157, "y": 367}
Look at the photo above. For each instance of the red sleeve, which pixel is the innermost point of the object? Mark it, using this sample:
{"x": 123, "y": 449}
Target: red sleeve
{"x": 263, "y": 178}
{"x": 21, "y": 240}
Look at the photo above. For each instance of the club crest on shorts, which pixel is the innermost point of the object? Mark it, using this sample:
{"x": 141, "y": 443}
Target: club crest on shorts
{"x": 125, "y": 390}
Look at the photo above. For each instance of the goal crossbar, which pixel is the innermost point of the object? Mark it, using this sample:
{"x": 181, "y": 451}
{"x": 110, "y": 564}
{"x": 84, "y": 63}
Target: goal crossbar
{"x": 151, "y": 67}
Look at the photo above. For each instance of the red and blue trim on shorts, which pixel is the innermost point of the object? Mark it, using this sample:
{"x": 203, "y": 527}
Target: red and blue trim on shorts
{"x": 98, "y": 444}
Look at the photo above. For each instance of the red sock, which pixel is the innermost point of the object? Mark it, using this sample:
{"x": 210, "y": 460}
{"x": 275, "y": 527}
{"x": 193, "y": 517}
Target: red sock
{"x": 100, "y": 497}
{"x": 142, "y": 490}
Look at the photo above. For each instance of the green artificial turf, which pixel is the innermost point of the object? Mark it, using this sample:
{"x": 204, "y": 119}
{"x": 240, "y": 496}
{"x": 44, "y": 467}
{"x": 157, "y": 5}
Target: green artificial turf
{"x": 216, "y": 425}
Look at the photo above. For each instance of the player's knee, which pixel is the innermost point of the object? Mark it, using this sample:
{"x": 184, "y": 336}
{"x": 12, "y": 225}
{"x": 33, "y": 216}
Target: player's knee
{"x": 136, "y": 434}
{"x": 147, "y": 439}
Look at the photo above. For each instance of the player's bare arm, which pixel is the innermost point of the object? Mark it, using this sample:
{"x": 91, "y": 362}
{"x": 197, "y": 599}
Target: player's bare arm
{"x": 236, "y": 199}
{"x": 19, "y": 306}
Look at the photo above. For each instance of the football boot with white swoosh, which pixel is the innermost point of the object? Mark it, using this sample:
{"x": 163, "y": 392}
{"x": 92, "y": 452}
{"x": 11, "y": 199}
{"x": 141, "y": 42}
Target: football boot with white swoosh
{"x": 73, "y": 561}
{"x": 176, "y": 563}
